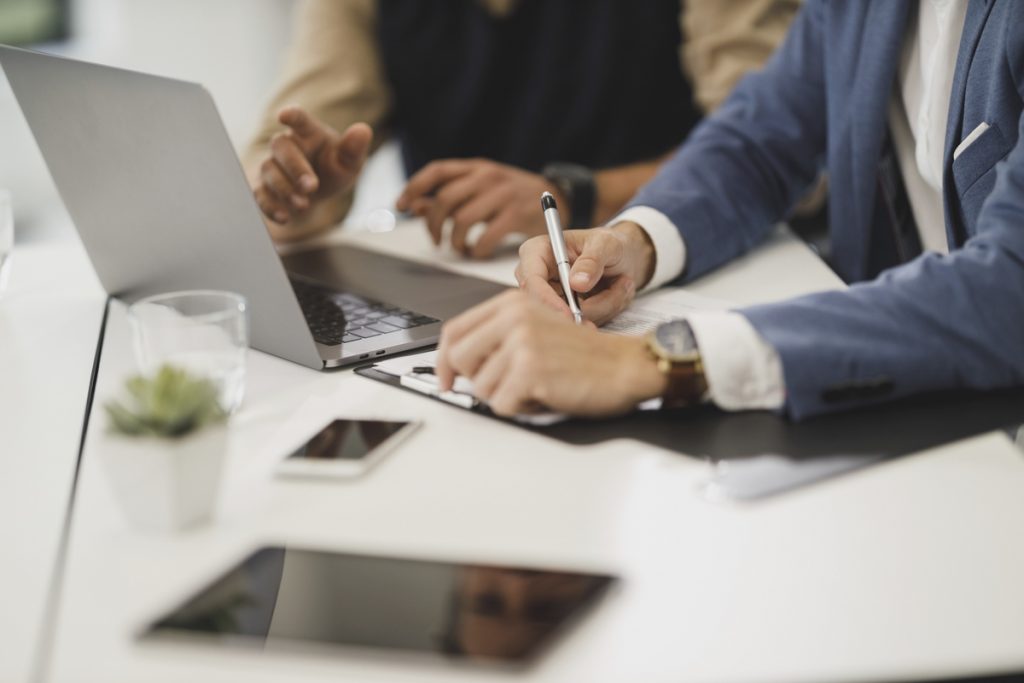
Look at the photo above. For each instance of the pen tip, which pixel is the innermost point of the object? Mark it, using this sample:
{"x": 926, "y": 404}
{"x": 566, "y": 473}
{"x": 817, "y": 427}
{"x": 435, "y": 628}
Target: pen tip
{"x": 547, "y": 201}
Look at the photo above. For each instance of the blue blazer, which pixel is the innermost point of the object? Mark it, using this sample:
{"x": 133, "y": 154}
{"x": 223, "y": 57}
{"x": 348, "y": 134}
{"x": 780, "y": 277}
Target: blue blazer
{"x": 937, "y": 322}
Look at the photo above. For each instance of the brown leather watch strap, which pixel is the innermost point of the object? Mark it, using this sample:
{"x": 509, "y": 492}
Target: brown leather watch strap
{"x": 687, "y": 385}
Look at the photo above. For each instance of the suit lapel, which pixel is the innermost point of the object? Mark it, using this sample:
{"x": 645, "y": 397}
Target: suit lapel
{"x": 974, "y": 22}
{"x": 883, "y": 30}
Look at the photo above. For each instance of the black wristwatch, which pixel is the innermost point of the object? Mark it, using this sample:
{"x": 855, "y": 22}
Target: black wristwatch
{"x": 576, "y": 184}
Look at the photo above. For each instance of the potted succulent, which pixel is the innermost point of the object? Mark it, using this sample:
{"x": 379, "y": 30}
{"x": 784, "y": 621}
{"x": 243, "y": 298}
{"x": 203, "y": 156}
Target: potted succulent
{"x": 164, "y": 449}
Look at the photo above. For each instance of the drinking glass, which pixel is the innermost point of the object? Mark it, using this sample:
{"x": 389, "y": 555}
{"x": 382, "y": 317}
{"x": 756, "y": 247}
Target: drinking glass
{"x": 205, "y": 332}
{"x": 6, "y": 237}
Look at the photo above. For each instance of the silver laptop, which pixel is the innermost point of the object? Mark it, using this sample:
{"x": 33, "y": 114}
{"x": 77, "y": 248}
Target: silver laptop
{"x": 150, "y": 179}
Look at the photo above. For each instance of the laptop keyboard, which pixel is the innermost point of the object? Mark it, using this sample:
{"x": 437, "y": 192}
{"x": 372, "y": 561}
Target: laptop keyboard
{"x": 336, "y": 317}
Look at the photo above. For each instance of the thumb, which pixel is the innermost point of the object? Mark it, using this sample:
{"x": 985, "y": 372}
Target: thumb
{"x": 354, "y": 146}
{"x": 598, "y": 251}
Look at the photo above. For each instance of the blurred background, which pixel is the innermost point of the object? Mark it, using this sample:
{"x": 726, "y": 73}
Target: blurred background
{"x": 233, "y": 47}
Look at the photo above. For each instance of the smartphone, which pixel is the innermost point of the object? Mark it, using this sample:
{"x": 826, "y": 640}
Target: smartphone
{"x": 346, "y": 448}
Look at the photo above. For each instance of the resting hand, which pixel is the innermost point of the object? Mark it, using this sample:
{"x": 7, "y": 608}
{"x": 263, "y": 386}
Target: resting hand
{"x": 522, "y": 356}
{"x": 471, "y": 191}
{"x": 308, "y": 162}
{"x": 608, "y": 265}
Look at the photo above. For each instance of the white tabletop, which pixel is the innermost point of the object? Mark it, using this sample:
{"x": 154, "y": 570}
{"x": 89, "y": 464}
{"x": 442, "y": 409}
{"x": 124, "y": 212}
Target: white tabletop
{"x": 49, "y": 326}
{"x": 909, "y": 568}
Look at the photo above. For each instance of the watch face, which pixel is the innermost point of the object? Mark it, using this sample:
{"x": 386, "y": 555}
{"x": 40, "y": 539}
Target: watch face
{"x": 676, "y": 340}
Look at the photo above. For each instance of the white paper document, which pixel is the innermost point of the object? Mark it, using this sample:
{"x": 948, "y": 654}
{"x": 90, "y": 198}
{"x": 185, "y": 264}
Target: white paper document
{"x": 649, "y": 311}
{"x": 643, "y": 315}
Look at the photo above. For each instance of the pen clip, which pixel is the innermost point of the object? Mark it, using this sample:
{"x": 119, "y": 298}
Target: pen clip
{"x": 557, "y": 239}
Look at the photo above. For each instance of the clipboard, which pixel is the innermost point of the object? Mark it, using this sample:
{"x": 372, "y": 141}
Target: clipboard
{"x": 758, "y": 454}
{"x": 466, "y": 402}
{"x": 457, "y": 399}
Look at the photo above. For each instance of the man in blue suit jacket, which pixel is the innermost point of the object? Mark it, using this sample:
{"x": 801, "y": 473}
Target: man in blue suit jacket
{"x": 915, "y": 111}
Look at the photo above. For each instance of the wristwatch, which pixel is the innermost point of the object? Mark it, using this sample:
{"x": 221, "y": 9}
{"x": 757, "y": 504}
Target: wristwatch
{"x": 576, "y": 183}
{"x": 675, "y": 348}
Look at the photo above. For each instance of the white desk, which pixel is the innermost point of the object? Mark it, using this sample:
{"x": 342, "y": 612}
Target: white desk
{"x": 913, "y": 567}
{"x": 49, "y": 325}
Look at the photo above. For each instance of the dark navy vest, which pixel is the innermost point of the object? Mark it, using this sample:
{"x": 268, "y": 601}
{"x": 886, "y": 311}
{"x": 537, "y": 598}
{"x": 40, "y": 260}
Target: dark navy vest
{"x": 594, "y": 82}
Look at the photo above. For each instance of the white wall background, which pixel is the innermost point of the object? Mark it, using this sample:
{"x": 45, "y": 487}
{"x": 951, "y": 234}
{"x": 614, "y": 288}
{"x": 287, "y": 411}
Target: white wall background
{"x": 233, "y": 47}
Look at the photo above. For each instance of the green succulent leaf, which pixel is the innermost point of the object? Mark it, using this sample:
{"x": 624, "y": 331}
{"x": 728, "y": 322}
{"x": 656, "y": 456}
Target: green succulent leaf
{"x": 170, "y": 404}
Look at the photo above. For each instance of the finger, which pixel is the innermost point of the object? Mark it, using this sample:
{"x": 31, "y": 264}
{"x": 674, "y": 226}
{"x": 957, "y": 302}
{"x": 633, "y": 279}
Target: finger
{"x": 607, "y": 304}
{"x": 450, "y": 197}
{"x": 536, "y": 260}
{"x": 427, "y": 179}
{"x": 292, "y": 160}
{"x": 344, "y": 158}
{"x": 277, "y": 182}
{"x": 310, "y": 133}
{"x": 537, "y": 274}
{"x": 354, "y": 146}
{"x": 421, "y": 206}
{"x": 599, "y": 251}
{"x": 548, "y": 293}
{"x": 491, "y": 373}
{"x": 498, "y": 228}
{"x": 512, "y": 395}
{"x": 468, "y": 355}
{"x": 270, "y": 206}
{"x": 484, "y": 206}
{"x": 458, "y": 327}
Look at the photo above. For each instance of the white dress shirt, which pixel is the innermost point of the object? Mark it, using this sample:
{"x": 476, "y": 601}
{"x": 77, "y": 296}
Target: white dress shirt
{"x": 743, "y": 371}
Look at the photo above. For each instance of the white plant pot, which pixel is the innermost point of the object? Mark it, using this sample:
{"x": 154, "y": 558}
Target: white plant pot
{"x": 166, "y": 485}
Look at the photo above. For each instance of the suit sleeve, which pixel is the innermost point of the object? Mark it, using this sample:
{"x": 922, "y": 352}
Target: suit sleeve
{"x": 938, "y": 322}
{"x": 333, "y": 69}
{"x": 745, "y": 166}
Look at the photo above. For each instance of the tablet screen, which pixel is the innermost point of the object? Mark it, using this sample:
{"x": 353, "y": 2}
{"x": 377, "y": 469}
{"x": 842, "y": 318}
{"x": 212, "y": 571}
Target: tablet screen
{"x": 284, "y": 595}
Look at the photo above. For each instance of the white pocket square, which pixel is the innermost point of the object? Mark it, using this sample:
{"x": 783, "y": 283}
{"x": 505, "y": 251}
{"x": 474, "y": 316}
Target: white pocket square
{"x": 969, "y": 140}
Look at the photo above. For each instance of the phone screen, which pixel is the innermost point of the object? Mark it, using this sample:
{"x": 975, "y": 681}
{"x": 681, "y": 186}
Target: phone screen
{"x": 347, "y": 440}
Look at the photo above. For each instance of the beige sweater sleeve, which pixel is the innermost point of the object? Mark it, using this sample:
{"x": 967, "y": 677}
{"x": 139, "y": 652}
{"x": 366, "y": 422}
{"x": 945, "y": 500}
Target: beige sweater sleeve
{"x": 724, "y": 39}
{"x": 332, "y": 68}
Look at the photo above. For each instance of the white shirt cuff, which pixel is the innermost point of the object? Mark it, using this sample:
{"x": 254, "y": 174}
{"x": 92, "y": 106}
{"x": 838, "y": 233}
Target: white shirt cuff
{"x": 742, "y": 370}
{"x": 669, "y": 246}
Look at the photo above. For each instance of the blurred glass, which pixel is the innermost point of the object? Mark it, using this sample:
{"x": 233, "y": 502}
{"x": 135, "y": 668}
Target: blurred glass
{"x": 205, "y": 332}
{"x": 6, "y": 237}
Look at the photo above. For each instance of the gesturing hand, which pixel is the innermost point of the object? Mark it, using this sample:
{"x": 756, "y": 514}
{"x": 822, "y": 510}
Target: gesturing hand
{"x": 308, "y": 162}
{"x": 522, "y": 356}
{"x": 608, "y": 265}
{"x": 471, "y": 191}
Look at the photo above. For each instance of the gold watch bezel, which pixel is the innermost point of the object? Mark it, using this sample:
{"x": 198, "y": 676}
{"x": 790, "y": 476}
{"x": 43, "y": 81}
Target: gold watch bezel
{"x": 664, "y": 355}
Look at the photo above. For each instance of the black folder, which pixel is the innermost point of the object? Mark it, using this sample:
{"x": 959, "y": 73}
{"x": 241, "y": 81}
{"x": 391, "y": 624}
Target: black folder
{"x": 759, "y": 453}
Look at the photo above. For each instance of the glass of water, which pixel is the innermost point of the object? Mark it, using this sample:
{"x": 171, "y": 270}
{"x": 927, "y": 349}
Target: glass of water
{"x": 6, "y": 237}
{"x": 204, "y": 332}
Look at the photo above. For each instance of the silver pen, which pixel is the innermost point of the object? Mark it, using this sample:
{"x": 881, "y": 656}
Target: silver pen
{"x": 547, "y": 203}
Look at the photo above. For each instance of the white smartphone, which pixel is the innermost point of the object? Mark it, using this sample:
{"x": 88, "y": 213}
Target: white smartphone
{"x": 346, "y": 448}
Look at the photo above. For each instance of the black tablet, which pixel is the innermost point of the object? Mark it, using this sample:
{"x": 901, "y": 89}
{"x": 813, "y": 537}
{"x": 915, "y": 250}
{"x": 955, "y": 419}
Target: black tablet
{"x": 287, "y": 596}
